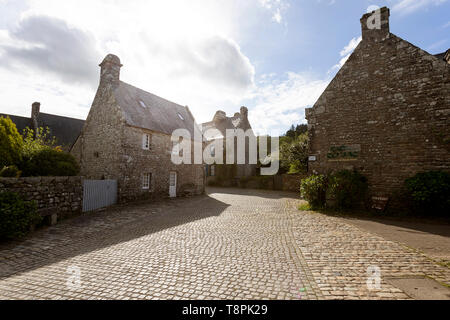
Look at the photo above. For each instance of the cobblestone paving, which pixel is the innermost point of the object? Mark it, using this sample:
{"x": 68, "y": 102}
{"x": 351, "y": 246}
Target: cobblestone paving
{"x": 232, "y": 244}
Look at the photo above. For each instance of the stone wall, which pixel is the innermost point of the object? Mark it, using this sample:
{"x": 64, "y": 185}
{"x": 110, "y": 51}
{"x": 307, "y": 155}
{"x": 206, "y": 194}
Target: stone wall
{"x": 385, "y": 114}
{"x": 135, "y": 161}
{"x": 291, "y": 182}
{"x": 110, "y": 148}
{"x": 60, "y": 195}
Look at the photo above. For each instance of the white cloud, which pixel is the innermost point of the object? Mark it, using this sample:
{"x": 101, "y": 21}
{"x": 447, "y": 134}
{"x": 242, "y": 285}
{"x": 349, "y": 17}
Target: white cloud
{"x": 49, "y": 45}
{"x": 277, "y": 7}
{"x": 404, "y": 7}
{"x": 187, "y": 55}
{"x": 346, "y": 53}
{"x": 279, "y": 104}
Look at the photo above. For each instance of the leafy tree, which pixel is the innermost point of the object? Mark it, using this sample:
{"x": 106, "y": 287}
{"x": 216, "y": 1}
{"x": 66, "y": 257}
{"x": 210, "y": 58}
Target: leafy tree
{"x": 35, "y": 142}
{"x": 294, "y": 146}
{"x": 11, "y": 143}
{"x": 50, "y": 162}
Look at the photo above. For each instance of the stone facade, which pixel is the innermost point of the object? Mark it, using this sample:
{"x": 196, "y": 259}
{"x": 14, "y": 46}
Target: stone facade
{"x": 111, "y": 143}
{"x": 54, "y": 195}
{"x": 385, "y": 114}
{"x": 216, "y": 130}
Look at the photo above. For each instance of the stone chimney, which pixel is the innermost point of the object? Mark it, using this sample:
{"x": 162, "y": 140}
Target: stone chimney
{"x": 244, "y": 113}
{"x": 375, "y": 25}
{"x": 219, "y": 116}
{"x": 35, "y": 110}
{"x": 110, "y": 70}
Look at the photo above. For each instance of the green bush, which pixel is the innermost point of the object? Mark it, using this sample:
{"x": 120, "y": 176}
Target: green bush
{"x": 313, "y": 189}
{"x": 347, "y": 189}
{"x": 430, "y": 191}
{"x": 50, "y": 162}
{"x": 16, "y": 215}
{"x": 10, "y": 172}
{"x": 11, "y": 143}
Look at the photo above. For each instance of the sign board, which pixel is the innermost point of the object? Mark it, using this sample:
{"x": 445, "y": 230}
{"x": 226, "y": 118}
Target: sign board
{"x": 312, "y": 158}
{"x": 379, "y": 203}
{"x": 344, "y": 153}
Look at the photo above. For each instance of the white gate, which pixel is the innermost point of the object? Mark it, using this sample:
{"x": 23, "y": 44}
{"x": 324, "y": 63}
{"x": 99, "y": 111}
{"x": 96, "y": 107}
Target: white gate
{"x": 99, "y": 194}
{"x": 173, "y": 184}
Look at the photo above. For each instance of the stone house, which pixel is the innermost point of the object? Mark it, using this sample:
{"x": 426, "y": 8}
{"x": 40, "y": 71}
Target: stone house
{"x": 65, "y": 130}
{"x": 127, "y": 137}
{"x": 385, "y": 114}
{"x": 221, "y": 123}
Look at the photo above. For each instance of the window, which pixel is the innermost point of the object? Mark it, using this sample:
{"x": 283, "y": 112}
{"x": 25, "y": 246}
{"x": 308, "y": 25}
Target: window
{"x": 213, "y": 151}
{"x": 146, "y": 142}
{"x": 180, "y": 116}
{"x": 146, "y": 181}
{"x": 213, "y": 171}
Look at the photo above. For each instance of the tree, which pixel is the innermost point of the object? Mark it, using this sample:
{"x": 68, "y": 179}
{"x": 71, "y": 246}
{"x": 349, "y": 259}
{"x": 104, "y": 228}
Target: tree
{"x": 294, "y": 147}
{"x": 11, "y": 143}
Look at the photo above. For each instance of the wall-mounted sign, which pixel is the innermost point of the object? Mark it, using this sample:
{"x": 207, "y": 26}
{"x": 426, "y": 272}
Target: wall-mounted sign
{"x": 312, "y": 158}
{"x": 344, "y": 153}
{"x": 379, "y": 203}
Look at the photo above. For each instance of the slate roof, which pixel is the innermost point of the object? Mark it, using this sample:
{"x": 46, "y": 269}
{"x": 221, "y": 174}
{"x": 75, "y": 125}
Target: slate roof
{"x": 66, "y": 130}
{"x": 148, "y": 111}
{"x": 20, "y": 122}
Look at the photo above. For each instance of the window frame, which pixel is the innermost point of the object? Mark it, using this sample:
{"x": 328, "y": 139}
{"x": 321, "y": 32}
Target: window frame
{"x": 146, "y": 181}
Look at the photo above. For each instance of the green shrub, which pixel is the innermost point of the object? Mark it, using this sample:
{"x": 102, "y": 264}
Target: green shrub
{"x": 16, "y": 215}
{"x": 11, "y": 143}
{"x": 347, "y": 189}
{"x": 50, "y": 162}
{"x": 313, "y": 190}
{"x": 10, "y": 172}
{"x": 430, "y": 191}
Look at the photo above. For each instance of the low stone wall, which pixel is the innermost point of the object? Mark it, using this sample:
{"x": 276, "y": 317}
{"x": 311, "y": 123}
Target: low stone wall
{"x": 291, "y": 182}
{"x": 285, "y": 182}
{"x": 54, "y": 195}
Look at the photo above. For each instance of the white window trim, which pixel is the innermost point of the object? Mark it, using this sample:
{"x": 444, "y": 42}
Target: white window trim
{"x": 146, "y": 141}
{"x": 146, "y": 181}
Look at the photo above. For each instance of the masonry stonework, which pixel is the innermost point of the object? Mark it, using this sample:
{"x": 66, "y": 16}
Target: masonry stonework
{"x": 111, "y": 143}
{"x": 385, "y": 114}
{"x": 54, "y": 195}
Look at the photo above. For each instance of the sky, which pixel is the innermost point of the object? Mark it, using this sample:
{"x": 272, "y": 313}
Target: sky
{"x": 275, "y": 57}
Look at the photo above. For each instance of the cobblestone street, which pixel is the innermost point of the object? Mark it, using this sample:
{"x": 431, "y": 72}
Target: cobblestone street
{"x": 230, "y": 244}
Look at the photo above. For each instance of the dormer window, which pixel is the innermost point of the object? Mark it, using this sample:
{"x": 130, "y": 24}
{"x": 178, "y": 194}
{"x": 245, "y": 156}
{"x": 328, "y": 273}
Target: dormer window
{"x": 146, "y": 141}
{"x": 142, "y": 103}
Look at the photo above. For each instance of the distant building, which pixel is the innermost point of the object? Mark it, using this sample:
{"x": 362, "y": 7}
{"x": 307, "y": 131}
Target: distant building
{"x": 65, "y": 130}
{"x": 222, "y": 123}
{"x": 385, "y": 114}
{"x": 127, "y": 137}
